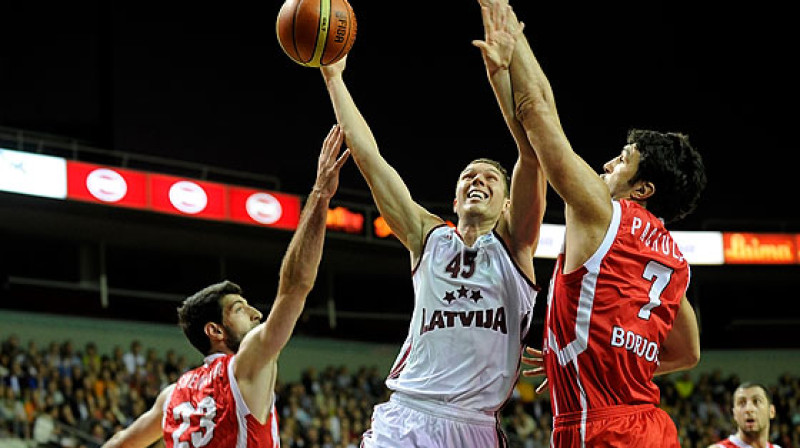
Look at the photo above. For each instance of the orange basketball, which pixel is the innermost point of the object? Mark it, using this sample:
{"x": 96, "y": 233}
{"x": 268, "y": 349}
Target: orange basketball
{"x": 316, "y": 32}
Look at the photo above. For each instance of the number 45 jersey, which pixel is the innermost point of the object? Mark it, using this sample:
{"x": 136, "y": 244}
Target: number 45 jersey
{"x": 206, "y": 409}
{"x": 607, "y": 319}
{"x": 472, "y": 311}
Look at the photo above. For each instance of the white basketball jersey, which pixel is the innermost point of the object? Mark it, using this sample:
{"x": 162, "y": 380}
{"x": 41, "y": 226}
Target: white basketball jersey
{"x": 472, "y": 311}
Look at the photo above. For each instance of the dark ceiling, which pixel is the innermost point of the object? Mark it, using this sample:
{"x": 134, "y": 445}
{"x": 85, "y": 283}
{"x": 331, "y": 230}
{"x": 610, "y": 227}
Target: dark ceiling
{"x": 210, "y": 84}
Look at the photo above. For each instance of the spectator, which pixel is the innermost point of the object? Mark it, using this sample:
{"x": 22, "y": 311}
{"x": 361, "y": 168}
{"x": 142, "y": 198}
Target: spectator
{"x": 522, "y": 426}
{"x": 171, "y": 367}
{"x": 684, "y": 386}
{"x": 11, "y": 346}
{"x": 68, "y": 359}
{"x": 45, "y": 431}
{"x": 133, "y": 358}
{"x": 92, "y": 361}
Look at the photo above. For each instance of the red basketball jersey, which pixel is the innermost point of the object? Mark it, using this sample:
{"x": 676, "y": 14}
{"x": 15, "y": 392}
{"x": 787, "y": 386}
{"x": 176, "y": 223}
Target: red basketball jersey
{"x": 606, "y": 320}
{"x": 735, "y": 442}
{"x": 206, "y": 409}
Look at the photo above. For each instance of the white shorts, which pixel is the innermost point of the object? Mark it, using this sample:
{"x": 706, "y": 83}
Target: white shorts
{"x": 405, "y": 422}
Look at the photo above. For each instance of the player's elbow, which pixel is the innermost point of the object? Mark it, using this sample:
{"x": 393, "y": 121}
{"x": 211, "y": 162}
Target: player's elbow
{"x": 295, "y": 289}
{"x": 688, "y": 359}
{"x": 692, "y": 353}
{"x": 693, "y": 357}
{"x": 296, "y": 279}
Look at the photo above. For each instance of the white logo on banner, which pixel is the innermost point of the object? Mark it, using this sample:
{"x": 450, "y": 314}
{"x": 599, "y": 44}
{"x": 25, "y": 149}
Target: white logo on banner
{"x": 106, "y": 185}
{"x": 264, "y": 208}
{"x": 188, "y": 197}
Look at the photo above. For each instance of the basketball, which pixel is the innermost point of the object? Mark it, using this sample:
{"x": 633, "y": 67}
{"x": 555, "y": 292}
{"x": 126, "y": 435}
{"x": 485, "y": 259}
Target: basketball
{"x": 314, "y": 33}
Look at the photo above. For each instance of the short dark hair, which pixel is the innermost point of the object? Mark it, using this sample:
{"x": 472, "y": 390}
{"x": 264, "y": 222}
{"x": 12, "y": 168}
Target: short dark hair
{"x": 202, "y": 307}
{"x": 676, "y": 169}
{"x": 501, "y": 168}
{"x": 750, "y": 385}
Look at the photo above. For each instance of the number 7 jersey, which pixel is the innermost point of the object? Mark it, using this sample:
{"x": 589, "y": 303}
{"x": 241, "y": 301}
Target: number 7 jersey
{"x": 606, "y": 320}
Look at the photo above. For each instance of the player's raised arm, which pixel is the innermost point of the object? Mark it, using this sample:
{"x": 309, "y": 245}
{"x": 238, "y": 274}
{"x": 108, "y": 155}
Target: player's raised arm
{"x": 584, "y": 192}
{"x": 521, "y": 223}
{"x": 255, "y": 363}
{"x": 408, "y": 220}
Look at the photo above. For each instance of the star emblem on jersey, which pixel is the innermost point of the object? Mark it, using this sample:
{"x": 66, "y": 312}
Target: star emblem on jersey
{"x": 463, "y": 293}
{"x": 476, "y": 295}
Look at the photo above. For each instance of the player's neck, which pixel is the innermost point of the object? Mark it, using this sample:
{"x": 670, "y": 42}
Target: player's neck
{"x": 220, "y": 349}
{"x": 759, "y": 440}
{"x": 471, "y": 231}
{"x": 630, "y": 198}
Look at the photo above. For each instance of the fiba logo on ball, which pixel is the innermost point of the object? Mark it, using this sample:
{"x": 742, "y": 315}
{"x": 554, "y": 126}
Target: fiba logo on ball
{"x": 188, "y": 197}
{"x": 264, "y": 208}
{"x": 106, "y": 185}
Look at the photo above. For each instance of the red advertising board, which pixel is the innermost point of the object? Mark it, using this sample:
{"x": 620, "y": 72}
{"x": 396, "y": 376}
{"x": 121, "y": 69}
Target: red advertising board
{"x": 104, "y": 185}
{"x": 263, "y": 208}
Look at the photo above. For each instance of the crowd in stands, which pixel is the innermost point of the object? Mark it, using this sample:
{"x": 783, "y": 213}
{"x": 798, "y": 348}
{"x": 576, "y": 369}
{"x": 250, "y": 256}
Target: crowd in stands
{"x": 63, "y": 396}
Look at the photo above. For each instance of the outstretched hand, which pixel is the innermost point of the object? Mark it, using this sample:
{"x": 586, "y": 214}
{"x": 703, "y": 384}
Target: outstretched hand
{"x": 329, "y": 165}
{"x": 501, "y": 29}
{"x": 535, "y": 359}
{"x": 335, "y": 69}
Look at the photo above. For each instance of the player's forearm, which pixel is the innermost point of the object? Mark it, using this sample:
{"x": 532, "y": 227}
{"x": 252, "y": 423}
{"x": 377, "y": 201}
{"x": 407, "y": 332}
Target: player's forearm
{"x": 114, "y": 442}
{"x": 571, "y": 177}
{"x": 525, "y": 64}
{"x": 528, "y": 183}
{"x": 300, "y": 265}
{"x": 533, "y": 98}
{"x": 500, "y": 81}
{"x": 528, "y": 201}
{"x": 676, "y": 364}
{"x": 681, "y": 349}
{"x": 143, "y": 432}
{"x": 357, "y": 133}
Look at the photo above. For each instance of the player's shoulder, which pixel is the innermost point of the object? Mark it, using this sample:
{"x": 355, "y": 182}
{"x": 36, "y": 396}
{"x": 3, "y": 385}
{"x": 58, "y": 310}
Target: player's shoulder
{"x": 722, "y": 444}
{"x": 165, "y": 392}
{"x": 437, "y": 235}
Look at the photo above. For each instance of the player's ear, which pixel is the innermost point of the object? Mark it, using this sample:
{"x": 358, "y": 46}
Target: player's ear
{"x": 214, "y": 331}
{"x": 771, "y": 411}
{"x": 643, "y": 190}
{"x": 455, "y": 204}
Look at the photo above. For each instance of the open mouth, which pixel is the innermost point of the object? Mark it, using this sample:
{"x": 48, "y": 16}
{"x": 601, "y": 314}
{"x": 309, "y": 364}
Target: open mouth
{"x": 477, "y": 194}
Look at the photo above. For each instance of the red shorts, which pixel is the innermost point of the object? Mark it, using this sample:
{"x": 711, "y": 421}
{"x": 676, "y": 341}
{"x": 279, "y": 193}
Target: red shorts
{"x": 616, "y": 426}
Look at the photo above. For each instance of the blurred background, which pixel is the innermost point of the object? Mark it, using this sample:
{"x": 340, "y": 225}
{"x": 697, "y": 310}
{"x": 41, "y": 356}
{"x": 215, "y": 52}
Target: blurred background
{"x": 205, "y": 93}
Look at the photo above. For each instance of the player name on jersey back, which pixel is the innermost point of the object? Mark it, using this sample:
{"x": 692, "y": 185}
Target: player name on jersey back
{"x": 656, "y": 238}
